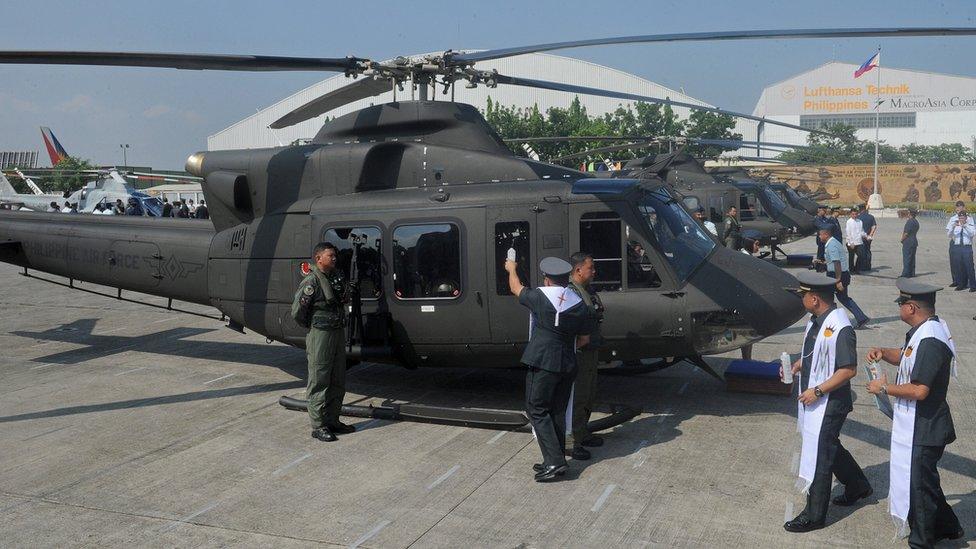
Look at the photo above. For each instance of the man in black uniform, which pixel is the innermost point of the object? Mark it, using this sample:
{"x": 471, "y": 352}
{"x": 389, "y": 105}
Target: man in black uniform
{"x": 909, "y": 244}
{"x": 557, "y": 326}
{"x": 925, "y": 364}
{"x": 831, "y": 458}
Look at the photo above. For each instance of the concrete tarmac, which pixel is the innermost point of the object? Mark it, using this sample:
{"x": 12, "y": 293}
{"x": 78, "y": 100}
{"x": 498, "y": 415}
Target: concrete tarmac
{"x": 122, "y": 426}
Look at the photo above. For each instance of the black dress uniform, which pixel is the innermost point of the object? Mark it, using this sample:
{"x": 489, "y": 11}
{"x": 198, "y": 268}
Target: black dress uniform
{"x": 929, "y": 517}
{"x": 908, "y": 248}
{"x": 551, "y": 359}
{"x": 832, "y": 458}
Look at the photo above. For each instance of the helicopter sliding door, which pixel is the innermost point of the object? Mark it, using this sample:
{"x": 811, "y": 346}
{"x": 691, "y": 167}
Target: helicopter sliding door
{"x": 439, "y": 294}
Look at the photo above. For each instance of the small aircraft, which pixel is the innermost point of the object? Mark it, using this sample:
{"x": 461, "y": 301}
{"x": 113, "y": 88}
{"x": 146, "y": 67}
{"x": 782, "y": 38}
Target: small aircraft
{"x": 107, "y": 187}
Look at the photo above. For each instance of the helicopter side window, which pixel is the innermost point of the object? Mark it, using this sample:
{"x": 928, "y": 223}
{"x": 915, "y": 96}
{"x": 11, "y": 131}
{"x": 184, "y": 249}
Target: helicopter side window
{"x": 427, "y": 261}
{"x": 600, "y": 237}
{"x": 511, "y": 234}
{"x": 369, "y": 261}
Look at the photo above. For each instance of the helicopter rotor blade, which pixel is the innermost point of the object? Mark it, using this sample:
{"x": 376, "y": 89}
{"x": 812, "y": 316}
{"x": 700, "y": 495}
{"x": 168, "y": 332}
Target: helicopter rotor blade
{"x": 190, "y": 61}
{"x": 585, "y": 90}
{"x": 486, "y": 55}
{"x": 737, "y": 143}
{"x": 610, "y": 148}
{"x": 360, "y": 89}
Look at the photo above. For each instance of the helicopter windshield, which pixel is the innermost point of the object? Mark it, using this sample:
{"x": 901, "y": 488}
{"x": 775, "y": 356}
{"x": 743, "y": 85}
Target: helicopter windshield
{"x": 682, "y": 241}
{"x": 152, "y": 206}
{"x": 776, "y": 202}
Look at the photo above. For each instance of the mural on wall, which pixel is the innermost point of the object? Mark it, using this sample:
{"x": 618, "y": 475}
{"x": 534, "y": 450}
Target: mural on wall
{"x": 897, "y": 183}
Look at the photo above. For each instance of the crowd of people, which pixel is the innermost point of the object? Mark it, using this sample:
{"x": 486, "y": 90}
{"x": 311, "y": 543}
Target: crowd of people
{"x": 185, "y": 209}
{"x": 179, "y": 209}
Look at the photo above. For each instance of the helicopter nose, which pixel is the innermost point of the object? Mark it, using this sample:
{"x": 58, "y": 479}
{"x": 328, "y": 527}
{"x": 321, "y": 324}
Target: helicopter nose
{"x": 739, "y": 299}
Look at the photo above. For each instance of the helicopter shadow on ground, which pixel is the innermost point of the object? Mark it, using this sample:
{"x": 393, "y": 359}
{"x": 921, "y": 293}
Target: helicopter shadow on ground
{"x": 173, "y": 342}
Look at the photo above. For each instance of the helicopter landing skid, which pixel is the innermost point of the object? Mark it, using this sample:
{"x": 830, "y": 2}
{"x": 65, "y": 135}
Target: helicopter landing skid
{"x": 637, "y": 367}
{"x": 482, "y": 419}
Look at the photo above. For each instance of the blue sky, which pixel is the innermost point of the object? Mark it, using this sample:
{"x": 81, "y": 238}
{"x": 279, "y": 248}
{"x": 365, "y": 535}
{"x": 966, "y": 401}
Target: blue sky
{"x": 165, "y": 115}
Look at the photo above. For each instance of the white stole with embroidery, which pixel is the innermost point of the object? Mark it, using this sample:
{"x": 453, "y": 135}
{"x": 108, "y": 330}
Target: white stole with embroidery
{"x": 952, "y": 347}
{"x": 809, "y": 418}
{"x": 903, "y": 428}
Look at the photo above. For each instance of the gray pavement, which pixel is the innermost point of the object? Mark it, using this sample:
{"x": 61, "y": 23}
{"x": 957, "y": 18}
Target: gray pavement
{"x": 122, "y": 425}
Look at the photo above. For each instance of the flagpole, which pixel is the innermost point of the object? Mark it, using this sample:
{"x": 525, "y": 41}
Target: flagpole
{"x": 877, "y": 123}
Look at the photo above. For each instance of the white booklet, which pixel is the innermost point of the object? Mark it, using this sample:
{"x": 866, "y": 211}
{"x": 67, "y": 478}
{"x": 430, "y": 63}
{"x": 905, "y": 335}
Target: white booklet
{"x": 884, "y": 403}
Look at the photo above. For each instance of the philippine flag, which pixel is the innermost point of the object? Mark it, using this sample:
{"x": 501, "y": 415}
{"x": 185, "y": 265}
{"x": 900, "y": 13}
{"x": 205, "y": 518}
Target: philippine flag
{"x": 868, "y": 65}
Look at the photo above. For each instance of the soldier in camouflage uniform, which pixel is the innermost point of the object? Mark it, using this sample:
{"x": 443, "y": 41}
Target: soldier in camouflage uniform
{"x": 318, "y": 306}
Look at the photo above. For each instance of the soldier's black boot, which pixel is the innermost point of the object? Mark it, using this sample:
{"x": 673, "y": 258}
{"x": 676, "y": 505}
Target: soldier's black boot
{"x": 324, "y": 434}
{"x": 341, "y": 428}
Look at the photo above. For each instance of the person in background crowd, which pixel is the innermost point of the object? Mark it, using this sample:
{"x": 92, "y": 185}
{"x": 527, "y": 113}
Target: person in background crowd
{"x": 167, "y": 208}
{"x": 854, "y": 239}
{"x": 837, "y": 268}
{"x": 835, "y": 230}
{"x": 53, "y": 208}
{"x": 119, "y": 207}
{"x": 909, "y": 244}
{"x": 202, "y": 212}
{"x": 66, "y": 208}
{"x": 961, "y": 252}
{"x": 820, "y": 222}
{"x": 181, "y": 210}
{"x": 191, "y": 210}
{"x": 960, "y": 207}
{"x": 732, "y": 237}
{"x": 134, "y": 207}
{"x": 870, "y": 226}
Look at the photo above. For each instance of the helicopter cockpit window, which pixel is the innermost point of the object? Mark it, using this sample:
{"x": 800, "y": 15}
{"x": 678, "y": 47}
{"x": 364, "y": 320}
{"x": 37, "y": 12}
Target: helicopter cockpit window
{"x": 683, "y": 242}
{"x": 427, "y": 261}
{"x": 600, "y": 236}
{"x": 514, "y": 235}
{"x": 775, "y": 201}
{"x": 153, "y": 206}
{"x": 369, "y": 259}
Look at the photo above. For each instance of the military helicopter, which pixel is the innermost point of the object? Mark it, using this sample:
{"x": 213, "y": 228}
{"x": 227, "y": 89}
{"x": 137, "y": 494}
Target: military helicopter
{"x": 423, "y": 199}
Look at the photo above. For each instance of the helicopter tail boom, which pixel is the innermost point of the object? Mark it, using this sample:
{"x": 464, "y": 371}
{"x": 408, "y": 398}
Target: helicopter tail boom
{"x": 140, "y": 254}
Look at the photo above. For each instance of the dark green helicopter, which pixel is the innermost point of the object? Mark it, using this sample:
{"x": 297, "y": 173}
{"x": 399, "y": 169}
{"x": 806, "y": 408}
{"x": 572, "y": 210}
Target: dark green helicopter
{"x": 423, "y": 199}
{"x": 763, "y": 201}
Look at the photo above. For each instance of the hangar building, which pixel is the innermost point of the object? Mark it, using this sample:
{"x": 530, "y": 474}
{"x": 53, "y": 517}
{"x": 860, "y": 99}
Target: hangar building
{"x": 253, "y": 131}
{"x": 915, "y": 107}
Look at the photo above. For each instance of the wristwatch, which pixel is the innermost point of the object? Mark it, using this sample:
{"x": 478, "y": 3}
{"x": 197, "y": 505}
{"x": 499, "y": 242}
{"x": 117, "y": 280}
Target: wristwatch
{"x": 884, "y": 389}
{"x": 818, "y": 392}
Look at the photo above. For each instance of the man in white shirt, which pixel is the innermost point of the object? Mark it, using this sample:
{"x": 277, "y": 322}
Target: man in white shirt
{"x": 854, "y": 238}
{"x": 709, "y": 226}
{"x": 960, "y": 236}
{"x": 960, "y": 207}
{"x": 66, "y": 208}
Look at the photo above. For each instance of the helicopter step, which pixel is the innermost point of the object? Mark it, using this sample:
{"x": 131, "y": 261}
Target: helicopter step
{"x": 464, "y": 417}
